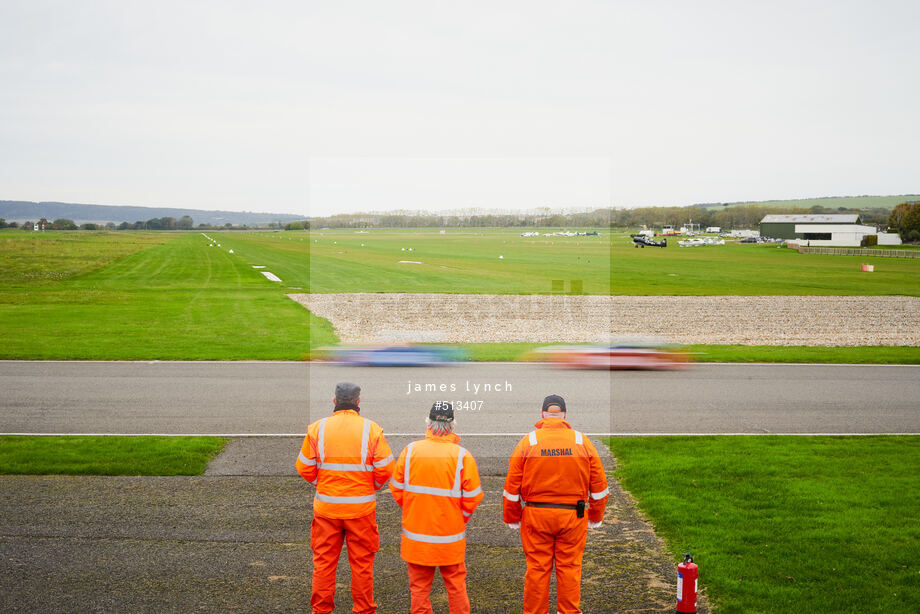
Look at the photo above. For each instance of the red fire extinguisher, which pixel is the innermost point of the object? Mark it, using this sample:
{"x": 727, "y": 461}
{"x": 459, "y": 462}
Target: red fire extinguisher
{"x": 687, "y": 574}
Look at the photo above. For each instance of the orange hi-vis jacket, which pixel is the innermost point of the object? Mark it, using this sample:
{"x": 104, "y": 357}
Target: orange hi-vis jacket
{"x": 436, "y": 483}
{"x": 347, "y": 458}
{"x": 555, "y": 464}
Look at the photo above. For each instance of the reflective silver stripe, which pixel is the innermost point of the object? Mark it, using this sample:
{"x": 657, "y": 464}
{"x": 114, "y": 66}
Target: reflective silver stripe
{"x": 434, "y": 539}
{"x": 408, "y": 458}
{"x": 305, "y": 460}
{"x": 601, "y": 494}
{"x": 364, "y": 436}
{"x": 431, "y": 490}
{"x": 321, "y": 451}
{"x": 465, "y": 513}
{"x": 532, "y": 436}
{"x": 510, "y": 497}
{"x": 331, "y": 499}
{"x": 439, "y": 492}
{"x": 320, "y": 441}
{"x": 379, "y": 485}
{"x": 314, "y": 482}
{"x": 383, "y": 462}
{"x": 342, "y": 467}
{"x": 578, "y": 438}
{"x": 460, "y": 454}
{"x": 398, "y": 485}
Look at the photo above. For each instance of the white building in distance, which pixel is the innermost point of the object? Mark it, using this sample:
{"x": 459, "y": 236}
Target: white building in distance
{"x": 844, "y": 230}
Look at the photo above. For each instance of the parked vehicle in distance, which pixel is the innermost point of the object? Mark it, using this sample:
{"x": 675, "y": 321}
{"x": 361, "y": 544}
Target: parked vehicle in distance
{"x": 641, "y": 240}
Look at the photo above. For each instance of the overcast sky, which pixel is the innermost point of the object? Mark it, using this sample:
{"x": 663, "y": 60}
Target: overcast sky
{"x": 321, "y": 107}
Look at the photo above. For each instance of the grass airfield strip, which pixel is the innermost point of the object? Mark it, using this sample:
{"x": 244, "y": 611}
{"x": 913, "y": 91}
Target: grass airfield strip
{"x": 172, "y": 297}
{"x": 466, "y": 261}
{"x": 160, "y": 296}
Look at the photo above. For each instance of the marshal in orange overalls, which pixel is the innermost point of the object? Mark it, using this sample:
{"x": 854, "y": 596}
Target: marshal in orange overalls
{"x": 553, "y": 468}
{"x": 436, "y": 483}
{"x": 347, "y": 458}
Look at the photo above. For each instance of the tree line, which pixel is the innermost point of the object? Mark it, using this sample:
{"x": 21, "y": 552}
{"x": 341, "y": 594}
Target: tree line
{"x": 727, "y": 217}
{"x": 905, "y": 219}
{"x": 157, "y": 223}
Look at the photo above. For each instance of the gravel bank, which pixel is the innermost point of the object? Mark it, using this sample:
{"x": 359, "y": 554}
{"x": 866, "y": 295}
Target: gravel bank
{"x": 746, "y": 320}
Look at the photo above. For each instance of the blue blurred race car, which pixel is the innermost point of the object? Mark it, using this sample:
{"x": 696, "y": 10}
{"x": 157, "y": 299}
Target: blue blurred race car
{"x": 397, "y": 355}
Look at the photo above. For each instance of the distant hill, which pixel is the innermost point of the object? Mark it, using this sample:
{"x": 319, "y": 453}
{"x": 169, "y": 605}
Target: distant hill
{"x": 19, "y": 211}
{"x": 829, "y": 202}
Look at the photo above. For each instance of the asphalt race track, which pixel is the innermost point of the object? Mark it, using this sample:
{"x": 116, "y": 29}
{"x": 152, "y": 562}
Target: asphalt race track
{"x": 283, "y": 397}
{"x": 237, "y": 538}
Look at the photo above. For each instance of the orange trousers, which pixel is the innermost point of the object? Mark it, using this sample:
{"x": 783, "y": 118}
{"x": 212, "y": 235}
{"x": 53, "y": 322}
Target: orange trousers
{"x": 553, "y": 536}
{"x": 363, "y": 541}
{"x": 420, "y": 579}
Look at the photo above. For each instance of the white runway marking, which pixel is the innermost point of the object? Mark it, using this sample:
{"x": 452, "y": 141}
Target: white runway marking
{"x": 270, "y": 276}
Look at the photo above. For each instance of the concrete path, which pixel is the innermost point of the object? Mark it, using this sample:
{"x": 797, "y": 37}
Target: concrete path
{"x": 236, "y": 540}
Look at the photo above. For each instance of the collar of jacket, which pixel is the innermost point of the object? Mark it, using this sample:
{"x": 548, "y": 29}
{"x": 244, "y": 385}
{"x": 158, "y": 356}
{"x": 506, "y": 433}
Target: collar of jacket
{"x": 552, "y": 423}
{"x": 449, "y": 438}
{"x": 346, "y": 407}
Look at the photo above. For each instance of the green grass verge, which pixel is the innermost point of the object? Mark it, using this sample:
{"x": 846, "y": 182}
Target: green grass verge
{"x": 499, "y": 352}
{"x": 905, "y": 355}
{"x": 876, "y": 354}
{"x": 90, "y": 455}
{"x": 786, "y": 524}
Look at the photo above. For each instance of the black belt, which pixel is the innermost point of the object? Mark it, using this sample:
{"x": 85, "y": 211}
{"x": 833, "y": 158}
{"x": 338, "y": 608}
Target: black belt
{"x": 578, "y": 507}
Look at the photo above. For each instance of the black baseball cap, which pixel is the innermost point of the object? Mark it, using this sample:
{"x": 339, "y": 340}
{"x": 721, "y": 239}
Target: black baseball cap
{"x": 346, "y": 392}
{"x": 554, "y": 399}
{"x": 441, "y": 411}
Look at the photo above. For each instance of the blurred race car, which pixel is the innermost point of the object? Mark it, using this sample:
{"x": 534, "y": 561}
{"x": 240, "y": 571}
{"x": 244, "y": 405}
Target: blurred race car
{"x": 649, "y": 354}
{"x": 395, "y": 355}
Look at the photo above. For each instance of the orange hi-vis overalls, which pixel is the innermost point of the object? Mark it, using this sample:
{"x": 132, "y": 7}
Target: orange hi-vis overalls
{"x": 436, "y": 483}
{"x": 347, "y": 458}
{"x": 550, "y": 471}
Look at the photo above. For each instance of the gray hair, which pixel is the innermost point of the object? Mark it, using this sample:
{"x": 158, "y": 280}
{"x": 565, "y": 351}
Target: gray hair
{"x": 439, "y": 427}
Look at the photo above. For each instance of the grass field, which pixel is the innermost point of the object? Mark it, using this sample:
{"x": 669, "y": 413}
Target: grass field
{"x": 467, "y": 262}
{"x": 832, "y": 202}
{"x": 786, "y": 524}
{"x": 145, "y": 296}
{"x": 84, "y": 455}
{"x": 755, "y": 270}
{"x": 473, "y": 261}
{"x": 165, "y": 296}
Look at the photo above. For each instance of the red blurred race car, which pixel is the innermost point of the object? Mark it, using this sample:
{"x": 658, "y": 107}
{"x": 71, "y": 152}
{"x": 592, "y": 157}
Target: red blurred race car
{"x": 628, "y": 354}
